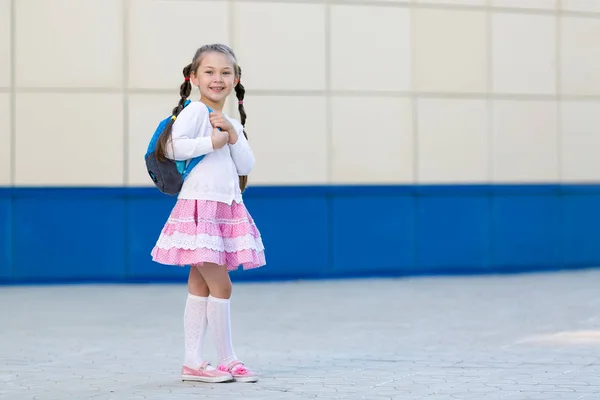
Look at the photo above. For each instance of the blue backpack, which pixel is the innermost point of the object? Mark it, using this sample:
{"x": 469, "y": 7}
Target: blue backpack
{"x": 168, "y": 175}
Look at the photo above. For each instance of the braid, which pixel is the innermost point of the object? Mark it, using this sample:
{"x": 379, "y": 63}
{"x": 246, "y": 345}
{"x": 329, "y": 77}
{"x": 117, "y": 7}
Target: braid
{"x": 240, "y": 91}
{"x": 184, "y": 91}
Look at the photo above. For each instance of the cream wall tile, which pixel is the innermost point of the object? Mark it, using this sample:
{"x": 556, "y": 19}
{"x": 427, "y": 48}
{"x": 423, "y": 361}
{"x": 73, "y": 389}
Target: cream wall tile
{"x": 525, "y": 147}
{"x": 5, "y": 27}
{"x": 231, "y": 106}
{"x": 69, "y": 139}
{"x": 5, "y": 140}
{"x": 531, "y": 4}
{"x": 580, "y": 56}
{"x": 366, "y": 57}
{"x": 453, "y": 143}
{"x": 580, "y": 141}
{"x": 450, "y": 48}
{"x": 580, "y": 5}
{"x": 281, "y": 46}
{"x": 289, "y": 138}
{"x": 478, "y": 3}
{"x": 69, "y": 43}
{"x": 376, "y": 1}
{"x": 372, "y": 140}
{"x": 164, "y": 36}
{"x": 524, "y": 53}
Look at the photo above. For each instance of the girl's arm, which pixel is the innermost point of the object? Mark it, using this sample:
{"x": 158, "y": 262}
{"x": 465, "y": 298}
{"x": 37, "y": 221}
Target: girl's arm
{"x": 185, "y": 143}
{"x": 242, "y": 154}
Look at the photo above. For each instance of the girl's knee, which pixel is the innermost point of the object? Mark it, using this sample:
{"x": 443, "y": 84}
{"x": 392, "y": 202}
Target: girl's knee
{"x": 229, "y": 289}
{"x": 222, "y": 290}
{"x": 217, "y": 278}
{"x": 198, "y": 289}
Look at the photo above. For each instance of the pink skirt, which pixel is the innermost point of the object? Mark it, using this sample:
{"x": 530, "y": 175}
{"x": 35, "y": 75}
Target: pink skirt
{"x": 200, "y": 231}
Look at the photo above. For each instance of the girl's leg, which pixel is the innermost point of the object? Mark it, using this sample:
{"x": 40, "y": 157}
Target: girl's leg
{"x": 218, "y": 315}
{"x": 219, "y": 322}
{"x": 196, "y": 283}
{"x": 194, "y": 319}
{"x": 195, "y": 324}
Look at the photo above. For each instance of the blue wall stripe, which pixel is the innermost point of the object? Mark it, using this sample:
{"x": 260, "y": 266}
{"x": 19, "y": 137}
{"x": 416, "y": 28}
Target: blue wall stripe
{"x": 106, "y": 234}
{"x": 68, "y": 239}
{"x": 453, "y": 233}
{"x": 308, "y": 191}
{"x": 372, "y": 234}
{"x": 580, "y": 234}
{"x": 526, "y": 231}
{"x": 6, "y": 242}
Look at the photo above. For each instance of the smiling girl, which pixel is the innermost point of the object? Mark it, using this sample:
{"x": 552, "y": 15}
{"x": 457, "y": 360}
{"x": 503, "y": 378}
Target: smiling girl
{"x": 209, "y": 227}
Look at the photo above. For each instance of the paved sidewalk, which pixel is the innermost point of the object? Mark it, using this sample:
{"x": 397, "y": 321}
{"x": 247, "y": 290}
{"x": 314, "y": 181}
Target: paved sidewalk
{"x": 515, "y": 337}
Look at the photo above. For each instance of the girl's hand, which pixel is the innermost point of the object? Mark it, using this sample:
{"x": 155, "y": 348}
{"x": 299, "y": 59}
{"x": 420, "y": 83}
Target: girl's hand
{"x": 217, "y": 120}
{"x": 219, "y": 138}
{"x": 233, "y": 137}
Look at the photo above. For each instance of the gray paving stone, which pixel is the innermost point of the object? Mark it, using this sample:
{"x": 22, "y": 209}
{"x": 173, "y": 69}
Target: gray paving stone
{"x": 508, "y": 337}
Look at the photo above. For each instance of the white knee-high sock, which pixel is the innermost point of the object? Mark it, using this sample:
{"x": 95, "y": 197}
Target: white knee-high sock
{"x": 194, "y": 326}
{"x": 219, "y": 323}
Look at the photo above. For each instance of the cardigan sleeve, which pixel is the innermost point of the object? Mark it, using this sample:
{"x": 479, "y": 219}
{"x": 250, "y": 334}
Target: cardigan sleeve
{"x": 242, "y": 154}
{"x": 185, "y": 143}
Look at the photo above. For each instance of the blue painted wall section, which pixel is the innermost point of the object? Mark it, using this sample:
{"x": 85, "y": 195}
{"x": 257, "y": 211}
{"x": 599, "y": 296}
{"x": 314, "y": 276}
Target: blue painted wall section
{"x": 5, "y": 239}
{"x": 372, "y": 234}
{"x": 106, "y": 234}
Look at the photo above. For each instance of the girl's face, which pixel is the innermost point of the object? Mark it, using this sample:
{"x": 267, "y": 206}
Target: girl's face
{"x": 215, "y": 77}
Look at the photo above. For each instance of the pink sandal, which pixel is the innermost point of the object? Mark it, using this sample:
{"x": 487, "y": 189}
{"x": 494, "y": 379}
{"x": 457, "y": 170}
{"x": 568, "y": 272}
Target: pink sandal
{"x": 239, "y": 372}
{"x": 203, "y": 374}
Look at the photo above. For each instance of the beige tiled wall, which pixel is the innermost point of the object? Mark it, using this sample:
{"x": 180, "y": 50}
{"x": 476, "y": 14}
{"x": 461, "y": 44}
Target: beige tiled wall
{"x": 372, "y": 140}
{"x": 526, "y": 4}
{"x": 363, "y": 56}
{"x": 344, "y": 92}
{"x": 580, "y": 120}
{"x": 443, "y": 153}
{"x": 450, "y": 49}
{"x": 68, "y": 43}
{"x": 580, "y": 5}
{"x": 5, "y": 58}
{"x": 478, "y": 3}
{"x": 580, "y": 56}
{"x": 525, "y": 141}
{"x": 281, "y": 46}
{"x": 524, "y": 53}
{"x": 69, "y": 139}
{"x": 291, "y": 146}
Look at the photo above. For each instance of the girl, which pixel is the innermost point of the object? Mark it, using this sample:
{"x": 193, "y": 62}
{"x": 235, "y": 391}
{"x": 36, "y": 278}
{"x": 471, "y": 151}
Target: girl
{"x": 209, "y": 228}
